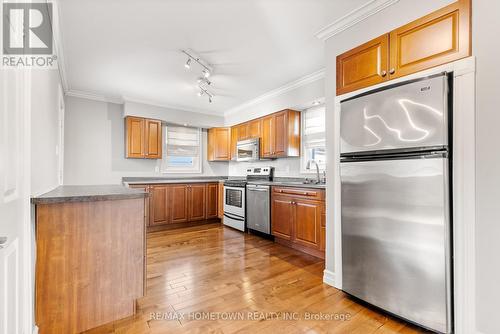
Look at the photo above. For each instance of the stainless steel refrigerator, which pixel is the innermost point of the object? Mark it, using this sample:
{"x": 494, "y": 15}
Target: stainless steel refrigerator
{"x": 396, "y": 206}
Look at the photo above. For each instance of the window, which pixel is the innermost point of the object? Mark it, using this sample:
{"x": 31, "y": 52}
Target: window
{"x": 182, "y": 150}
{"x": 313, "y": 138}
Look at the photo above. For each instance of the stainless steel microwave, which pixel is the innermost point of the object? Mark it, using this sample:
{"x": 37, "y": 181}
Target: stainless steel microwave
{"x": 248, "y": 150}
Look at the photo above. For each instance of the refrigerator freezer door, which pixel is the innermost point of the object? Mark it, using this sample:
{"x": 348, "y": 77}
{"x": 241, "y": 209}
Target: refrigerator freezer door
{"x": 395, "y": 237}
{"x": 404, "y": 117}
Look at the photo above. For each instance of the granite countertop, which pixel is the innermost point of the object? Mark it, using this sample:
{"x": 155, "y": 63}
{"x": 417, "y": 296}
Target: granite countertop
{"x": 65, "y": 194}
{"x": 162, "y": 180}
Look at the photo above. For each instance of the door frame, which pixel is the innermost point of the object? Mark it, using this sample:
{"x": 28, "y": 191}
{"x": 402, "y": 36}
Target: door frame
{"x": 464, "y": 195}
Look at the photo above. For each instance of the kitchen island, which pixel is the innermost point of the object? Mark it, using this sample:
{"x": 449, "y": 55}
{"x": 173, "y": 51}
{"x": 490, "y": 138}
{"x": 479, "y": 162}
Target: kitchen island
{"x": 90, "y": 256}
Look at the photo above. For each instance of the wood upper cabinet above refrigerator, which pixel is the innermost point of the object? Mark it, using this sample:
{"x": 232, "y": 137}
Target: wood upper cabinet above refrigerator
{"x": 143, "y": 139}
{"x": 435, "y": 39}
{"x": 363, "y": 66}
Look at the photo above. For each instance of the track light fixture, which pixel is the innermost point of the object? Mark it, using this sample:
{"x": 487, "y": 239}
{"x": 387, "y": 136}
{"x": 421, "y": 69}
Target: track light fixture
{"x": 204, "y": 91}
{"x": 203, "y": 81}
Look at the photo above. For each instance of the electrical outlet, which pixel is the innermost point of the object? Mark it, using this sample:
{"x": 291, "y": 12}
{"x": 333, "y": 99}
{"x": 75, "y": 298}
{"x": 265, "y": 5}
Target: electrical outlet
{"x": 157, "y": 169}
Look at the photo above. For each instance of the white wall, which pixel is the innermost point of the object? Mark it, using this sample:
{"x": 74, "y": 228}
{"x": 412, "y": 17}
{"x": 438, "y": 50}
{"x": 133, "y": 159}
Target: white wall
{"x": 45, "y": 131}
{"x": 95, "y": 146}
{"x": 298, "y": 98}
{"x": 486, "y": 47}
{"x": 172, "y": 115}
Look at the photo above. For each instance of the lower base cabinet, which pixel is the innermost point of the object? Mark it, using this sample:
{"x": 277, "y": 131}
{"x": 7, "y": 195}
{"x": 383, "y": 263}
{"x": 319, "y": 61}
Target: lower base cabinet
{"x": 181, "y": 203}
{"x": 298, "y": 219}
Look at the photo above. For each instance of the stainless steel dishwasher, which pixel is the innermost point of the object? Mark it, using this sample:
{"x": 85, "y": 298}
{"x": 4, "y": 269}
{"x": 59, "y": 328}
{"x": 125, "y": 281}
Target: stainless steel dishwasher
{"x": 258, "y": 208}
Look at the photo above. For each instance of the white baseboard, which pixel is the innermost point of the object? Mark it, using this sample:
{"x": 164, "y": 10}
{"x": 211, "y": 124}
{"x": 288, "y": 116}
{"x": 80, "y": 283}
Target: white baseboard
{"x": 329, "y": 277}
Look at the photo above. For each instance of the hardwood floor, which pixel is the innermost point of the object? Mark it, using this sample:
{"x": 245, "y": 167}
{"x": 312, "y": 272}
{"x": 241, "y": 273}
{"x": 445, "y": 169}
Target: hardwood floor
{"x": 211, "y": 270}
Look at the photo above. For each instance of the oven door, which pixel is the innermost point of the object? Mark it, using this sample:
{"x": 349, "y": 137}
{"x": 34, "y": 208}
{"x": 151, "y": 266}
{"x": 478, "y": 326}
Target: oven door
{"x": 234, "y": 201}
{"x": 248, "y": 150}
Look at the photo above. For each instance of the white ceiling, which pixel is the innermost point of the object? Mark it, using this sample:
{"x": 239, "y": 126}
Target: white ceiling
{"x": 131, "y": 48}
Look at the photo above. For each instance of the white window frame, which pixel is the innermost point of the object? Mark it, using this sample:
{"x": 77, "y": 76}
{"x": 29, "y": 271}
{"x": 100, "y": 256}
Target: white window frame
{"x": 303, "y": 156}
{"x": 164, "y": 168}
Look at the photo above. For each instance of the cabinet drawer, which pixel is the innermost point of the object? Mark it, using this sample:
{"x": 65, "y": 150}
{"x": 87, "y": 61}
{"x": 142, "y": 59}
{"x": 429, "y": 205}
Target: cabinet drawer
{"x": 309, "y": 193}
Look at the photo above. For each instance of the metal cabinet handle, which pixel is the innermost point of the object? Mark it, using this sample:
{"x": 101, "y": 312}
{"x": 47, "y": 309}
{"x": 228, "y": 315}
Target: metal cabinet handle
{"x": 383, "y": 73}
{"x": 392, "y": 71}
{"x": 3, "y": 242}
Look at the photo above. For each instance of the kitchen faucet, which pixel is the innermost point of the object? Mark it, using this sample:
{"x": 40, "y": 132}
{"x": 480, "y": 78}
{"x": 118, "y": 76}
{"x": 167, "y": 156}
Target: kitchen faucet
{"x": 308, "y": 166}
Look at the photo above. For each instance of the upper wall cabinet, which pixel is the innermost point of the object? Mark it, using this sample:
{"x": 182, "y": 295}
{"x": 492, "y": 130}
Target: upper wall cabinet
{"x": 143, "y": 139}
{"x": 363, "y": 66}
{"x": 438, "y": 38}
{"x": 281, "y": 135}
{"x": 219, "y": 144}
{"x": 435, "y": 39}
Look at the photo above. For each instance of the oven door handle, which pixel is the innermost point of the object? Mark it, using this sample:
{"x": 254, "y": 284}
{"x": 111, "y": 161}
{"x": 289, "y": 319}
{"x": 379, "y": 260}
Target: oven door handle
{"x": 233, "y": 217}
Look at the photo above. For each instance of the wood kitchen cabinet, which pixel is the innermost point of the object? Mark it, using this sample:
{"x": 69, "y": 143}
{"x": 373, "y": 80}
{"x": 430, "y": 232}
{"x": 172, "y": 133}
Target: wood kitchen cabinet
{"x": 234, "y": 142}
{"x": 435, "y": 39}
{"x": 298, "y": 218}
{"x": 212, "y": 200}
{"x": 182, "y": 203}
{"x": 159, "y": 211}
{"x": 281, "y": 135}
{"x": 242, "y": 131}
{"x": 220, "y": 201}
{"x": 196, "y": 201}
{"x": 143, "y": 138}
{"x": 179, "y": 203}
{"x": 363, "y": 66}
{"x": 254, "y": 128}
{"x": 219, "y": 144}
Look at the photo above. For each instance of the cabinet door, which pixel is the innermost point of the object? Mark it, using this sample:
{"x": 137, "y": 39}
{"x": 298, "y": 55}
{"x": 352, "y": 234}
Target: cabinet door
{"x": 153, "y": 139}
{"x": 212, "y": 200}
{"x": 280, "y": 134}
{"x": 220, "y": 201}
{"x": 307, "y": 223}
{"x": 159, "y": 208}
{"x": 234, "y": 141}
{"x": 282, "y": 217}
{"x": 438, "y": 38}
{"x": 196, "y": 202}
{"x": 243, "y": 131}
{"x": 222, "y": 144}
{"x": 135, "y": 127}
{"x": 254, "y": 128}
{"x": 363, "y": 66}
{"x": 219, "y": 144}
{"x": 267, "y": 143}
{"x": 178, "y": 203}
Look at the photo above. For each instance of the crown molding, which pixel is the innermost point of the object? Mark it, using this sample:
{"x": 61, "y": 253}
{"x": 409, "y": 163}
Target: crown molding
{"x": 94, "y": 96}
{"x": 315, "y": 76}
{"x": 354, "y": 17}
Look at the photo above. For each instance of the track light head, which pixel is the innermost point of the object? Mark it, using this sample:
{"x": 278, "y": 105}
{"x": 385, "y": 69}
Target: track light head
{"x": 188, "y": 64}
{"x": 206, "y": 73}
{"x": 210, "y": 99}
{"x": 200, "y": 93}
